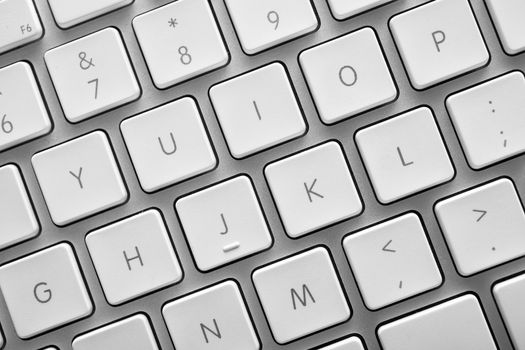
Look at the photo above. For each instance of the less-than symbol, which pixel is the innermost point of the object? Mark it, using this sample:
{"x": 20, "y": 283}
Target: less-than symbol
{"x": 405, "y": 163}
{"x": 481, "y": 212}
{"x": 173, "y": 22}
{"x": 386, "y": 249}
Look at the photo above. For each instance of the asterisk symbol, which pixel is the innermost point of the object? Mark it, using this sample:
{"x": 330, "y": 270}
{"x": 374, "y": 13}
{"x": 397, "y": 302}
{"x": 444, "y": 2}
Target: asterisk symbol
{"x": 173, "y": 22}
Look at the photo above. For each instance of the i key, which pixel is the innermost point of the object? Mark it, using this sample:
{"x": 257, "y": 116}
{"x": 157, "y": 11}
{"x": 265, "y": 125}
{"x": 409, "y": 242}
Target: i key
{"x": 20, "y": 24}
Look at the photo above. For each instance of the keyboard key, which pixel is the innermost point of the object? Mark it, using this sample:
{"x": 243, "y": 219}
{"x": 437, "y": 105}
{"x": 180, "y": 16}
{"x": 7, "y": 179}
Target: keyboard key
{"x": 261, "y": 25}
{"x": 439, "y": 41}
{"x": 44, "y": 290}
{"x": 179, "y": 41}
{"x": 92, "y": 74}
{"x": 214, "y": 318}
{"x": 352, "y": 343}
{"x": 313, "y": 189}
{"x": 20, "y": 24}
{"x": 21, "y": 122}
{"x": 68, "y": 13}
{"x": 220, "y": 230}
{"x": 507, "y": 17}
{"x": 455, "y": 324}
{"x": 301, "y": 295}
{"x": 343, "y": 9}
{"x": 483, "y": 226}
{"x": 168, "y": 144}
{"x": 348, "y": 75}
{"x": 79, "y": 178}
{"x": 133, "y": 257}
{"x": 392, "y": 261}
{"x": 17, "y": 217}
{"x": 132, "y": 333}
{"x": 257, "y": 110}
{"x": 404, "y": 155}
{"x": 488, "y": 121}
{"x": 509, "y": 297}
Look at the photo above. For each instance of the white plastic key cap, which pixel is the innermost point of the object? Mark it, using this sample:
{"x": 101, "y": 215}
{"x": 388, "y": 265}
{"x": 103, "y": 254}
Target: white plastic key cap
{"x": 343, "y": 9}
{"x": 301, "y": 295}
{"x": 313, "y": 189}
{"x": 68, "y": 13}
{"x": 21, "y": 122}
{"x": 92, "y": 74}
{"x": 455, "y": 324}
{"x": 488, "y": 119}
{"x": 261, "y": 25}
{"x": 438, "y": 41}
{"x": 484, "y": 227}
{"x": 44, "y": 290}
{"x": 257, "y": 110}
{"x": 223, "y": 223}
{"x": 132, "y": 333}
{"x": 509, "y": 297}
{"x": 20, "y": 24}
{"x": 509, "y": 23}
{"x": 168, "y": 144}
{"x": 348, "y": 75}
{"x": 214, "y": 318}
{"x": 392, "y": 261}
{"x": 180, "y": 41}
{"x": 404, "y": 155}
{"x": 79, "y": 178}
{"x": 17, "y": 217}
{"x": 352, "y": 343}
{"x": 133, "y": 257}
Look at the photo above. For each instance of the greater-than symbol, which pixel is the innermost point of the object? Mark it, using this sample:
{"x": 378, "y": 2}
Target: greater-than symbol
{"x": 173, "y": 22}
{"x": 386, "y": 249}
{"x": 481, "y": 212}
{"x": 230, "y": 247}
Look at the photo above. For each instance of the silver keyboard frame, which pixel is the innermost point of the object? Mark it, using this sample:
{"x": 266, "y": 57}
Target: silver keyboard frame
{"x": 363, "y": 321}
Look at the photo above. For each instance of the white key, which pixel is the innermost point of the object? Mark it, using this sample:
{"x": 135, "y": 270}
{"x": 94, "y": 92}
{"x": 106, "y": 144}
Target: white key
{"x": 79, "y": 178}
{"x": 20, "y": 24}
{"x": 44, "y": 290}
{"x": 133, "y": 257}
{"x": 488, "y": 119}
{"x": 439, "y": 41}
{"x": 220, "y": 230}
{"x": 483, "y": 226}
{"x": 261, "y": 25}
{"x": 17, "y": 217}
{"x": 509, "y": 297}
{"x": 392, "y": 261}
{"x": 21, "y": 122}
{"x": 313, "y": 189}
{"x": 179, "y": 41}
{"x": 301, "y": 295}
{"x": 352, "y": 343}
{"x": 343, "y": 9}
{"x": 68, "y": 13}
{"x": 132, "y": 333}
{"x": 92, "y": 74}
{"x": 348, "y": 75}
{"x": 214, "y": 318}
{"x": 257, "y": 110}
{"x": 455, "y": 324}
{"x": 168, "y": 144}
{"x": 508, "y": 19}
{"x": 404, "y": 155}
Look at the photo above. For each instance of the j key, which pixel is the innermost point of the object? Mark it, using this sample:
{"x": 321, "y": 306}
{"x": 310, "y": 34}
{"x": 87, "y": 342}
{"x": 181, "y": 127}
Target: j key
{"x": 44, "y": 290}
{"x": 438, "y": 41}
{"x": 263, "y": 24}
{"x": 301, "y": 295}
{"x": 68, "y": 13}
{"x": 17, "y": 217}
{"x": 343, "y": 9}
{"x": 404, "y": 155}
{"x": 483, "y": 226}
{"x": 92, "y": 74}
{"x": 352, "y": 343}
{"x": 455, "y": 324}
{"x": 507, "y": 17}
{"x": 257, "y": 110}
{"x": 132, "y": 333}
{"x": 348, "y": 75}
{"x": 20, "y": 24}
{"x": 79, "y": 178}
{"x": 179, "y": 41}
{"x": 214, "y": 318}
{"x": 509, "y": 296}
{"x": 488, "y": 119}
{"x": 21, "y": 122}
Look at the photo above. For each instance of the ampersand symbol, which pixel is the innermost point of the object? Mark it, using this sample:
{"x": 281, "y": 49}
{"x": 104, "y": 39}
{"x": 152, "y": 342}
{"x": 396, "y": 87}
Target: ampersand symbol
{"x": 85, "y": 63}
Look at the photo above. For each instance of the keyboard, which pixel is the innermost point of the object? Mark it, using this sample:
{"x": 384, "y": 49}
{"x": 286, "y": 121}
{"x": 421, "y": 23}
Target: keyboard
{"x": 278, "y": 174}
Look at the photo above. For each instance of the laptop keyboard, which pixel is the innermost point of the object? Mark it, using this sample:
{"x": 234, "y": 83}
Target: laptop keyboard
{"x": 245, "y": 174}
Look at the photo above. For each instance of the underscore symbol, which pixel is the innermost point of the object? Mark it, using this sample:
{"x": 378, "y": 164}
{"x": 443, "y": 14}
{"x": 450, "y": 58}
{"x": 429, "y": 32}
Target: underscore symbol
{"x": 386, "y": 249}
{"x": 480, "y": 211}
{"x": 173, "y": 22}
